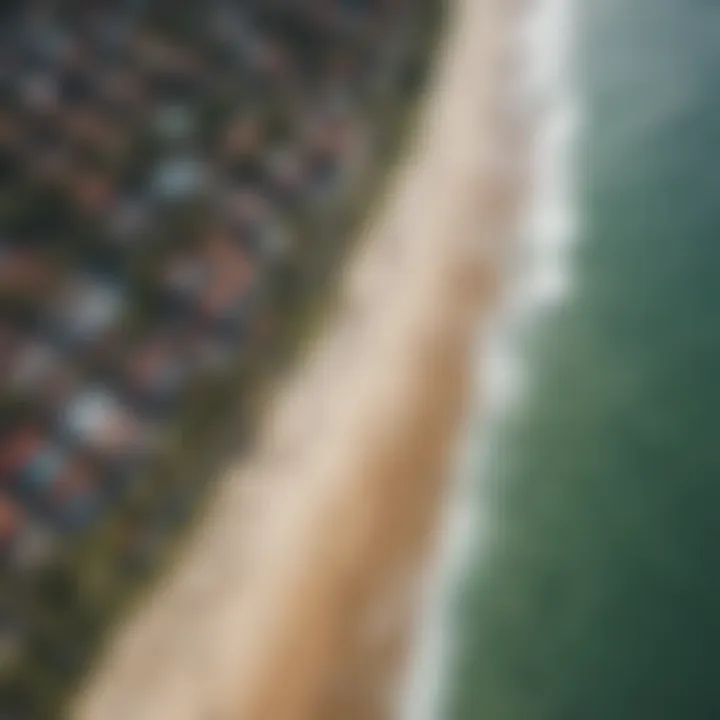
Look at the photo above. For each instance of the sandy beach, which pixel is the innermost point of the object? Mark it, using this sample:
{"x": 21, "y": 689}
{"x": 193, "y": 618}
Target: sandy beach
{"x": 296, "y": 597}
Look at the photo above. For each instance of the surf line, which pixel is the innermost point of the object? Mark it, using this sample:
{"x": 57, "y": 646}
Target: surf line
{"x": 547, "y": 98}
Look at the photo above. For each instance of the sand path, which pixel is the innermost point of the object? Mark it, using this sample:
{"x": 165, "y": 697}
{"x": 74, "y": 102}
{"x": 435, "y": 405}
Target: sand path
{"x": 295, "y": 598}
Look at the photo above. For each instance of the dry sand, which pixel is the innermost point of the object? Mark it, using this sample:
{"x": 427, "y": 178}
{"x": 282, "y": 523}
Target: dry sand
{"x": 296, "y": 597}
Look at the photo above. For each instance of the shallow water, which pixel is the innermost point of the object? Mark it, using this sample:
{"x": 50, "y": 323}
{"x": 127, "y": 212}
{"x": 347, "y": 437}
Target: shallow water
{"x": 593, "y": 591}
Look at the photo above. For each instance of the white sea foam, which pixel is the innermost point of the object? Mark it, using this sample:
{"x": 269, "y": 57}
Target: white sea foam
{"x": 549, "y": 228}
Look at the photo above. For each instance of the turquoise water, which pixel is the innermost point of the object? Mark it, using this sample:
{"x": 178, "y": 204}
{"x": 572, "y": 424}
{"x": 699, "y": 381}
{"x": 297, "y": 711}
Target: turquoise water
{"x": 596, "y": 592}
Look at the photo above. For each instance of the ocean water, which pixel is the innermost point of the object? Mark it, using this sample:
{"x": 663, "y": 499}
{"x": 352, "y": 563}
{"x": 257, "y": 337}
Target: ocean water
{"x": 581, "y": 580}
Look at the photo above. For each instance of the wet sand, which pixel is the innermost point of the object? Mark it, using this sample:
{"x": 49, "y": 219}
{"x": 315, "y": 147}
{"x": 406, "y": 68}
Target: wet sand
{"x": 296, "y": 597}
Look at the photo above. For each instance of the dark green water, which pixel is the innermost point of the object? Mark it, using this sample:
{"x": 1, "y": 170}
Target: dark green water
{"x": 597, "y": 594}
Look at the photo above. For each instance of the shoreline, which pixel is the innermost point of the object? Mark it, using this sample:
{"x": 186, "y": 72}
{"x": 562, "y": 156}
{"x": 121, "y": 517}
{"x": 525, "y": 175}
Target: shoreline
{"x": 295, "y": 598}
